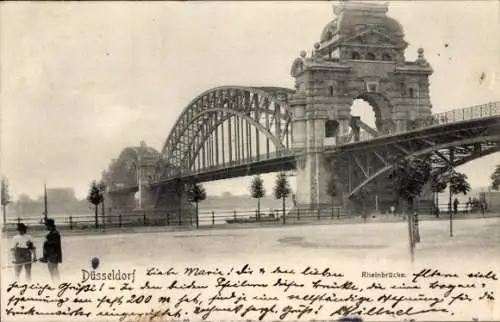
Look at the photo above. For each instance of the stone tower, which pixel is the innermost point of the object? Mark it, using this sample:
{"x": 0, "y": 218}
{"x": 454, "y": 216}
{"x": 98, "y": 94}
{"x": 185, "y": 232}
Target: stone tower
{"x": 360, "y": 55}
{"x": 145, "y": 171}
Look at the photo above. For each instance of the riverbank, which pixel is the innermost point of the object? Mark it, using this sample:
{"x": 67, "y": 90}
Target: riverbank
{"x": 289, "y": 222}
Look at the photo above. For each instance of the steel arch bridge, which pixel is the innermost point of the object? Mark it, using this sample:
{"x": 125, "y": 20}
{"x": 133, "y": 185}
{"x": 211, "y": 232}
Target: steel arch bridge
{"x": 234, "y": 131}
{"x": 229, "y": 125}
{"x": 224, "y": 127}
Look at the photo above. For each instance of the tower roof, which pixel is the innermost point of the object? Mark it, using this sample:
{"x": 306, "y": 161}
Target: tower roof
{"x": 352, "y": 17}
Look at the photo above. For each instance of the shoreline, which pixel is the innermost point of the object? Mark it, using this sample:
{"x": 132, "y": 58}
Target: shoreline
{"x": 291, "y": 222}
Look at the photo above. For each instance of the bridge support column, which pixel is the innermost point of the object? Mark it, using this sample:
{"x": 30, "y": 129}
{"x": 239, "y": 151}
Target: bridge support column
{"x": 313, "y": 172}
{"x": 145, "y": 171}
{"x": 171, "y": 202}
{"x": 400, "y": 119}
{"x": 121, "y": 201}
{"x": 312, "y": 180}
{"x": 146, "y": 198}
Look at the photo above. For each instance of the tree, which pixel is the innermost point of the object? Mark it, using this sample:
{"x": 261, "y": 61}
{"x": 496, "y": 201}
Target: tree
{"x": 438, "y": 185}
{"x": 5, "y": 198}
{"x": 95, "y": 197}
{"x": 409, "y": 177}
{"x": 457, "y": 184}
{"x": 495, "y": 179}
{"x": 257, "y": 191}
{"x": 24, "y": 199}
{"x": 282, "y": 189}
{"x": 196, "y": 193}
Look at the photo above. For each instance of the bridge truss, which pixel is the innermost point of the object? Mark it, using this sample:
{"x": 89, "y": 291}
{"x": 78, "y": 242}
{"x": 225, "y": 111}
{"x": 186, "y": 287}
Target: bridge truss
{"x": 228, "y": 126}
{"x": 445, "y": 146}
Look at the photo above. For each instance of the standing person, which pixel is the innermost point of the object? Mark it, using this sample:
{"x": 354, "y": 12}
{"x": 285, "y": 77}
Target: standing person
{"x": 24, "y": 251}
{"x": 455, "y": 206}
{"x": 52, "y": 251}
{"x": 469, "y": 205}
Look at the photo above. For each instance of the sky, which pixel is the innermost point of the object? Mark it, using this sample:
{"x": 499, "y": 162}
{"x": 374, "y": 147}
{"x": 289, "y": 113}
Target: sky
{"x": 81, "y": 81}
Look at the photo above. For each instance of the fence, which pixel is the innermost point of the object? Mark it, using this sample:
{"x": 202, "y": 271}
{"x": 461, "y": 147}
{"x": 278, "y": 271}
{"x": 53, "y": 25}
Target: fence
{"x": 462, "y": 209}
{"x": 272, "y": 216}
{"x": 118, "y": 220}
{"x": 219, "y": 218}
{"x": 182, "y": 218}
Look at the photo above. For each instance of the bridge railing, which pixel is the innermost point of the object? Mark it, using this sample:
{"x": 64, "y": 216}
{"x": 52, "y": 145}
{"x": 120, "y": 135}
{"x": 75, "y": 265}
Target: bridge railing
{"x": 467, "y": 113}
{"x": 457, "y": 115}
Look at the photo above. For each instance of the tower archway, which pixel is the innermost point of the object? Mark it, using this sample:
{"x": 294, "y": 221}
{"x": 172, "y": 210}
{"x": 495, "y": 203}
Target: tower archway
{"x": 375, "y": 113}
{"x": 367, "y": 113}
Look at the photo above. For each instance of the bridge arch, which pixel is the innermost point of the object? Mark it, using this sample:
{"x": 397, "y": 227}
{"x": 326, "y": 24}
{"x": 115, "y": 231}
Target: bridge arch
{"x": 124, "y": 170}
{"x": 262, "y": 109}
{"x": 133, "y": 166}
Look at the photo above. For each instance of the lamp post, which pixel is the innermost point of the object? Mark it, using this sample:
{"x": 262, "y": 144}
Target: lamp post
{"x": 104, "y": 188}
{"x": 451, "y": 173}
{"x": 103, "y": 213}
{"x": 45, "y": 211}
{"x": 4, "y": 201}
{"x": 450, "y": 208}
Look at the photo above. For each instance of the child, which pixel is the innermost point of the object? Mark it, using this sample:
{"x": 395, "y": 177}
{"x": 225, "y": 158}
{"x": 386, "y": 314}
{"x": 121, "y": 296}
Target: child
{"x": 23, "y": 251}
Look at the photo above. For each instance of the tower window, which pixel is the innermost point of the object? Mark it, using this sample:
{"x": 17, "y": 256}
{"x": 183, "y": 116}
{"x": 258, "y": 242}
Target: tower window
{"x": 330, "y": 128}
{"x": 331, "y": 90}
{"x": 372, "y": 87}
{"x": 342, "y": 87}
{"x": 355, "y": 55}
{"x": 370, "y": 56}
{"x": 411, "y": 92}
{"x": 386, "y": 57}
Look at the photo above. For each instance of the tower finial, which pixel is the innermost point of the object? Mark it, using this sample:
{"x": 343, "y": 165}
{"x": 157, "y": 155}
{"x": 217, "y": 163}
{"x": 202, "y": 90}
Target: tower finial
{"x": 421, "y": 59}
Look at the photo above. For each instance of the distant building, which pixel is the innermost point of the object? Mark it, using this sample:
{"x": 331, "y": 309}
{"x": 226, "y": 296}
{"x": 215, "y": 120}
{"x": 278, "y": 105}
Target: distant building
{"x": 60, "y": 195}
{"x": 60, "y": 201}
{"x": 492, "y": 199}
